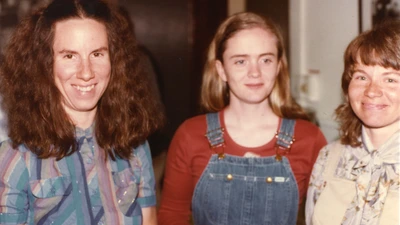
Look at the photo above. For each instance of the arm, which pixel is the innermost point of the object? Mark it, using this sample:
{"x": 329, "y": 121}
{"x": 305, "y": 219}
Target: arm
{"x": 319, "y": 144}
{"x": 13, "y": 192}
{"x": 178, "y": 185}
{"x": 316, "y": 184}
{"x": 149, "y": 216}
{"x": 147, "y": 191}
{"x": 314, "y": 141}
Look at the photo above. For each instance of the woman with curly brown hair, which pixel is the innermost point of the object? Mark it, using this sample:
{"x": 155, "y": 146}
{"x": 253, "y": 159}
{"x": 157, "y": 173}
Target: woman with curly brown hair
{"x": 358, "y": 175}
{"x": 79, "y": 111}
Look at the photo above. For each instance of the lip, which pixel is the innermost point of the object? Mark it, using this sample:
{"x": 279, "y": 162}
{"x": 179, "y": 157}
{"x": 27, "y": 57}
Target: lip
{"x": 371, "y": 106}
{"x": 84, "y": 88}
{"x": 257, "y": 85}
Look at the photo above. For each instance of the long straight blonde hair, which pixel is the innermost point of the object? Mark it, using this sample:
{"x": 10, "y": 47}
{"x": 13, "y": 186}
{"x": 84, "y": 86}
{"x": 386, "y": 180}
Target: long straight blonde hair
{"x": 215, "y": 92}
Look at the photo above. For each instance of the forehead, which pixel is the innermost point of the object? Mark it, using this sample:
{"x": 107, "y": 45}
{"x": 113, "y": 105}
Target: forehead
{"x": 252, "y": 41}
{"x": 80, "y": 32}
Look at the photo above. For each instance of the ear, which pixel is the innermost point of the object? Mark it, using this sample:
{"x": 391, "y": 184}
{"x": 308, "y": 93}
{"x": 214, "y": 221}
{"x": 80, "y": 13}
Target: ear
{"x": 220, "y": 70}
{"x": 279, "y": 67}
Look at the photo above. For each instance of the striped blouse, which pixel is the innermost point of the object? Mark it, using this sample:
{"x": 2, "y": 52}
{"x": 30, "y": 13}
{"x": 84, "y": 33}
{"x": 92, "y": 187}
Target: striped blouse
{"x": 78, "y": 189}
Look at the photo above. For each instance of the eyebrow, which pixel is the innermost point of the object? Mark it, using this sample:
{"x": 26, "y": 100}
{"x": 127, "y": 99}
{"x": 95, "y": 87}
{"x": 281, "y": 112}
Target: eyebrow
{"x": 245, "y": 55}
{"x": 359, "y": 70}
{"x": 395, "y": 72}
{"x": 64, "y": 51}
{"x": 392, "y": 72}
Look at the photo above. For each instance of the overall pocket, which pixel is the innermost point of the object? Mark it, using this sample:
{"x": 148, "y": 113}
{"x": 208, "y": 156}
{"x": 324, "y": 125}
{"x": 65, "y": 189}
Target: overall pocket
{"x": 232, "y": 198}
{"x": 211, "y": 199}
{"x": 280, "y": 201}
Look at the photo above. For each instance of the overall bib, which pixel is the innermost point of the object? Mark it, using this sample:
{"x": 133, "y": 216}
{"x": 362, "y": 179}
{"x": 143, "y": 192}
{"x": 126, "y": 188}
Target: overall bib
{"x": 238, "y": 190}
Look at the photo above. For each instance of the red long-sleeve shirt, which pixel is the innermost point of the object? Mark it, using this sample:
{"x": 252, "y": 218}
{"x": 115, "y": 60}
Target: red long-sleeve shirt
{"x": 189, "y": 153}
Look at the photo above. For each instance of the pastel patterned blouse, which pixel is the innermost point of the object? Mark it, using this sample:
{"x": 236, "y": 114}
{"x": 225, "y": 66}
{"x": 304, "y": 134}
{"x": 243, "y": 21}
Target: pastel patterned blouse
{"x": 375, "y": 173}
{"x": 78, "y": 189}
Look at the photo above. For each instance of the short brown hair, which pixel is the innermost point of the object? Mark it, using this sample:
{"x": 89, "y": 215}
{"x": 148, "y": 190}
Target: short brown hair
{"x": 379, "y": 46}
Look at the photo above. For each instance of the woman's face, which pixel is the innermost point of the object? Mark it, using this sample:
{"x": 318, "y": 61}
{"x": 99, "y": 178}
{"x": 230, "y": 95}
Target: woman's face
{"x": 374, "y": 96}
{"x": 250, "y": 66}
{"x": 81, "y": 64}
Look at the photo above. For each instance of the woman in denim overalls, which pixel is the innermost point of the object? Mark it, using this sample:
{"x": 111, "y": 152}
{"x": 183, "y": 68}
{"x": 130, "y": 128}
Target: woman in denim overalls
{"x": 234, "y": 163}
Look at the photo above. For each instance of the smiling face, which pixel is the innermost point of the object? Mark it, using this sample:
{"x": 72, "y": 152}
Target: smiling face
{"x": 250, "y": 66}
{"x": 374, "y": 96}
{"x": 81, "y": 64}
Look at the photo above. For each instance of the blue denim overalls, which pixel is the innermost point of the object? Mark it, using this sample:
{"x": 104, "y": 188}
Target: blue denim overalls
{"x": 238, "y": 190}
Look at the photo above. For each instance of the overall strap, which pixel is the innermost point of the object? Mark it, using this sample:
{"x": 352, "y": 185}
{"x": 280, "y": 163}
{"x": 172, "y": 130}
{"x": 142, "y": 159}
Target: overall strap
{"x": 214, "y": 130}
{"x": 285, "y": 136}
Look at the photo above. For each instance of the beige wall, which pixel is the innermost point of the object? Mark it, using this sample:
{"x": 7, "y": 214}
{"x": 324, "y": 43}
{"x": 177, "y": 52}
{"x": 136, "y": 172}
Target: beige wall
{"x": 320, "y": 31}
{"x": 235, "y": 6}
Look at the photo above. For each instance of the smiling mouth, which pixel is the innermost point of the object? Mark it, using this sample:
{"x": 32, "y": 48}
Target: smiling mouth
{"x": 373, "y": 106}
{"x": 83, "y": 88}
{"x": 254, "y": 85}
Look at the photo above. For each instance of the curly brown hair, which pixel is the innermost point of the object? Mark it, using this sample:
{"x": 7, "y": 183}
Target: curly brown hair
{"x": 127, "y": 113}
{"x": 215, "y": 92}
{"x": 379, "y": 46}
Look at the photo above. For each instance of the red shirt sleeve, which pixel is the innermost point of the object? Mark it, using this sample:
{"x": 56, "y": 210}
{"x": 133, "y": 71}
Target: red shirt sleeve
{"x": 320, "y": 142}
{"x": 309, "y": 141}
{"x": 178, "y": 185}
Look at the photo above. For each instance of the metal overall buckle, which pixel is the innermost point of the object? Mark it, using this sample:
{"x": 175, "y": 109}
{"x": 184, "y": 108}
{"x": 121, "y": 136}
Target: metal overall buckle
{"x": 283, "y": 148}
{"x": 216, "y": 140}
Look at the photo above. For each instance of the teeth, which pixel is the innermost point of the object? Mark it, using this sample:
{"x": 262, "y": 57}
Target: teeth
{"x": 85, "y": 89}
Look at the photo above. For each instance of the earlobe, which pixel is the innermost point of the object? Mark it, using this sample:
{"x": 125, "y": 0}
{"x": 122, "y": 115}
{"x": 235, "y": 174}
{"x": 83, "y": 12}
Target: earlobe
{"x": 220, "y": 70}
{"x": 279, "y": 66}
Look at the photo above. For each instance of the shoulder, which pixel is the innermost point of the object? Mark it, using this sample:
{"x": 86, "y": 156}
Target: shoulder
{"x": 190, "y": 139}
{"x": 324, "y": 153}
{"x": 6, "y": 147}
{"x": 192, "y": 127}
{"x": 13, "y": 161}
{"x": 194, "y": 122}
{"x": 142, "y": 152}
{"x": 302, "y": 125}
{"x": 308, "y": 131}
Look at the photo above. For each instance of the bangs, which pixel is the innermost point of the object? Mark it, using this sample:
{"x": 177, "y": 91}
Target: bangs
{"x": 373, "y": 49}
{"x": 372, "y": 56}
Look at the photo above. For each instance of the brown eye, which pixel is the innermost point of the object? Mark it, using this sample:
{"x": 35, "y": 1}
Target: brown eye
{"x": 97, "y": 54}
{"x": 239, "y": 62}
{"x": 267, "y": 60}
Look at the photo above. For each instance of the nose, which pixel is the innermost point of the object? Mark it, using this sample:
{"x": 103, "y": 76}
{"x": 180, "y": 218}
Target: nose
{"x": 373, "y": 90}
{"x": 86, "y": 73}
{"x": 254, "y": 70}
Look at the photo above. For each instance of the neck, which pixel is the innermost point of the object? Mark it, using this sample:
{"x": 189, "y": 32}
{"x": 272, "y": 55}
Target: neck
{"x": 83, "y": 120}
{"x": 249, "y": 115}
{"x": 379, "y": 136}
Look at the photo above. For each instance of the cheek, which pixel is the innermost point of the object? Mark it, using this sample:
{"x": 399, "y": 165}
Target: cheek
{"x": 64, "y": 72}
{"x": 102, "y": 69}
{"x": 233, "y": 75}
{"x": 354, "y": 91}
{"x": 271, "y": 72}
{"x": 394, "y": 96}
